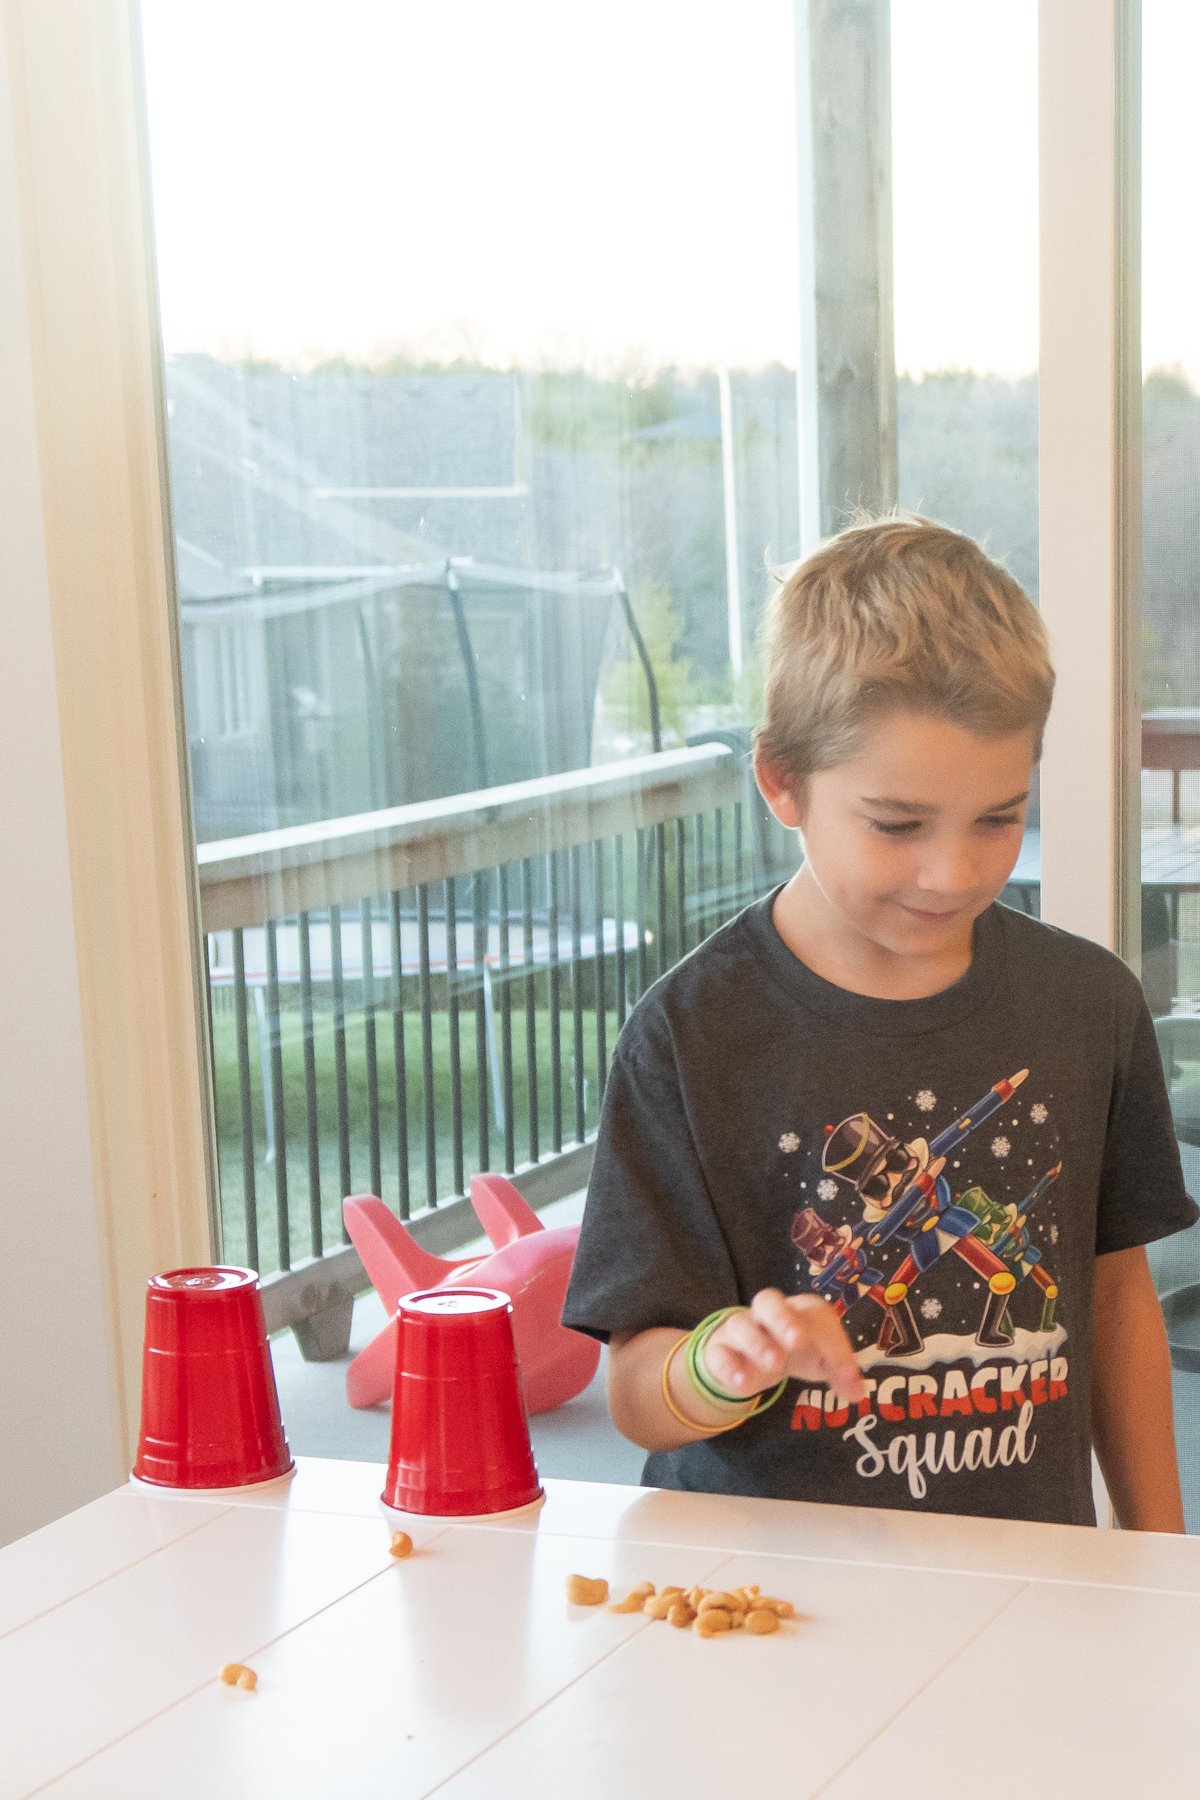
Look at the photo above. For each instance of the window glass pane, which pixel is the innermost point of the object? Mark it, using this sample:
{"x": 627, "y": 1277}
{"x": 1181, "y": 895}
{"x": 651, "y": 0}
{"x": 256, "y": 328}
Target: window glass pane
{"x": 1170, "y": 791}
{"x": 966, "y": 230}
{"x": 481, "y": 335}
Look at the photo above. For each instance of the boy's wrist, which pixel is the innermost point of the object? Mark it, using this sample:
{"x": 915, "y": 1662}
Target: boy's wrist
{"x": 703, "y": 1381}
{"x": 691, "y": 1408}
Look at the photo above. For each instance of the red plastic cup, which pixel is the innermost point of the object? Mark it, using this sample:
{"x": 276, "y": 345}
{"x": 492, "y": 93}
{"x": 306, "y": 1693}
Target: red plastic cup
{"x": 210, "y": 1410}
{"x": 460, "y": 1436}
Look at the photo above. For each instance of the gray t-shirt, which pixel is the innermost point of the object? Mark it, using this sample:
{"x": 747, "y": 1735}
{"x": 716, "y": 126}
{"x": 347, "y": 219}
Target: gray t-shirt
{"x": 944, "y": 1171}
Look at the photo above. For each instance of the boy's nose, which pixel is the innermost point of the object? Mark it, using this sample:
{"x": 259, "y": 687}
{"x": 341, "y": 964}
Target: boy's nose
{"x": 949, "y": 871}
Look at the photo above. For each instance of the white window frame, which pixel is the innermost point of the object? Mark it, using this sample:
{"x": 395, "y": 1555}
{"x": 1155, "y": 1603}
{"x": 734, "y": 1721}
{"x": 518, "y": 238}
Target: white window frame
{"x": 1089, "y": 455}
{"x": 72, "y": 141}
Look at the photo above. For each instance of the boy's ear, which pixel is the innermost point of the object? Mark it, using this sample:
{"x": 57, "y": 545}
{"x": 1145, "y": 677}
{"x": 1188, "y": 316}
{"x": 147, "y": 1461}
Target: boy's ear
{"x": 781, "y": 790}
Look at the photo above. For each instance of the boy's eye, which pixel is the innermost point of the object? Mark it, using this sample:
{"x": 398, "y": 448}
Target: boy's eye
{"x": 999, "y": 820}
{"x": 895, "y": 827}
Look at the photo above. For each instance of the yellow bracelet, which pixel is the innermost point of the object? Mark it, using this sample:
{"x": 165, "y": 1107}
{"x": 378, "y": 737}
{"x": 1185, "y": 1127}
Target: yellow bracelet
{"x": 694, "y": 1424}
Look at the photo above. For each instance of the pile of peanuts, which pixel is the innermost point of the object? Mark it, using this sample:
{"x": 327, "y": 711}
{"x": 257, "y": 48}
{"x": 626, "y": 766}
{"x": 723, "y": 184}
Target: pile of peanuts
{"x": 709, "y": 1611}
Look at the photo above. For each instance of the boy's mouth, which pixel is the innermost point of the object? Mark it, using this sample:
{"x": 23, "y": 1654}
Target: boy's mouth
{"x": 930, "y": 918}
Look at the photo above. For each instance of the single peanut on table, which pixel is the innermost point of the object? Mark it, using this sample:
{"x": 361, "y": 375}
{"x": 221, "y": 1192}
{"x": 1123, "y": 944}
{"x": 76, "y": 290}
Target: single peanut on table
{"x": 710, "y": 1623}
{"x": 760, "y": 1622}
{"x": 401, "y": 1544}
{"x": 238, "y": 1675}
{"x": 583, "y": 1591}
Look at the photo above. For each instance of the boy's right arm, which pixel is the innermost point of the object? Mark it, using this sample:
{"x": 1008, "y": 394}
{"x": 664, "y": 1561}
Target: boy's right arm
{"x": 796, "y": 1336}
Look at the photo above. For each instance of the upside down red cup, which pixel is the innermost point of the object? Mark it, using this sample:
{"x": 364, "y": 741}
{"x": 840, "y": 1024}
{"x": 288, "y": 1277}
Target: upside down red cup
{"x": 210, "y": 1410}
{"x": 460, "y": 1436}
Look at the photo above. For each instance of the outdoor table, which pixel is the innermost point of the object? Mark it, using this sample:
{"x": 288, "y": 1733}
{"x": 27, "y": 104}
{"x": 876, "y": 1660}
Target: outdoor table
{"x": 1170, "y": 858}
{"x": 932, "y": 1655}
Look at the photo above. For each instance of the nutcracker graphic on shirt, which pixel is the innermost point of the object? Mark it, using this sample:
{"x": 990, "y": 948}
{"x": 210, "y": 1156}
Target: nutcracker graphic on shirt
{"x": 937, "y": 1252}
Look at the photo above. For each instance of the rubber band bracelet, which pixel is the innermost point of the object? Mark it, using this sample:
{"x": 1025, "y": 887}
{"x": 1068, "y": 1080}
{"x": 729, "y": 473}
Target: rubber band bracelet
{"x": 694, "y": 1424}
{"x": 701, "y": 1377}
{"x": 701, "y": 1380}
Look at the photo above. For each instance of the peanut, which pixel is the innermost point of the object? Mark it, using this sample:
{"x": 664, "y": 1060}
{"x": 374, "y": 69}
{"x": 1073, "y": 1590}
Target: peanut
{"x": 657, "y": 1606}
{"x": 726, "y": 1602}
{"x": 238, "y": 1675}
{"x": 681, "y": 1614}
{"x": 634, "y": 1600}
{"x": 401, "y": 1544}
{"x": 583, "y": 1591}
{"x": 710, "y": 1623}
{"x": 761, "y": 1622}
{"x": 783, "y": 1609}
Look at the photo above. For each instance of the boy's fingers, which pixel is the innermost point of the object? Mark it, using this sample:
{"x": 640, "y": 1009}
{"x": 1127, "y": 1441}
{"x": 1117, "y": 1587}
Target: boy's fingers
{"x": 779, "y": 1317}
{"x": 826, "y": 1341}
{"x": 741, "y": 1354}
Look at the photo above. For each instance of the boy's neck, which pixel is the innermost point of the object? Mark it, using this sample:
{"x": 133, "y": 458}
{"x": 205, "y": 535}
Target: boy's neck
{"x": 823, "y": 941}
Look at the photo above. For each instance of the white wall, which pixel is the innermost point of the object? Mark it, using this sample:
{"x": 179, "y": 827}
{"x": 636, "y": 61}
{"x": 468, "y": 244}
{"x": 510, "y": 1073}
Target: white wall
{"x": 60, "y": 1434}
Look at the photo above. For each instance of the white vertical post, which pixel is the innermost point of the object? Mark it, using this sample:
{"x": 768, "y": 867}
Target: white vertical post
{"x": 60, "y": 1399}
{"x": 1089, "y": 452}
{"x": 808, "y": 448}
{"x": 91, "y": 361}
{"x": 733, "y": 579}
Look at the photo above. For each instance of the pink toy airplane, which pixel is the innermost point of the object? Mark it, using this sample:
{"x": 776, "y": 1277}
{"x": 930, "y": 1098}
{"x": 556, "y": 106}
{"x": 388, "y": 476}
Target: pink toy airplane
{"x": 529, "y": 1263}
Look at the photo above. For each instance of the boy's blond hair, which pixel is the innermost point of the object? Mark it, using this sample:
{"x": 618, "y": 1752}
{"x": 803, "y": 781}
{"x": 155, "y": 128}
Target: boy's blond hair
{"x": 898, "y": 614}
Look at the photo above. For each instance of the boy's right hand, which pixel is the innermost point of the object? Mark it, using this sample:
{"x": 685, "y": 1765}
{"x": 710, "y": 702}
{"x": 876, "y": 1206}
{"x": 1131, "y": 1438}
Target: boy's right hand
{"x": 781, "y": 1335}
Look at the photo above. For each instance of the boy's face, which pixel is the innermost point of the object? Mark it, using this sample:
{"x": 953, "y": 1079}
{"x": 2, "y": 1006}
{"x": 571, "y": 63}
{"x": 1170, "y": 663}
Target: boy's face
{"x": 915, "y": 836}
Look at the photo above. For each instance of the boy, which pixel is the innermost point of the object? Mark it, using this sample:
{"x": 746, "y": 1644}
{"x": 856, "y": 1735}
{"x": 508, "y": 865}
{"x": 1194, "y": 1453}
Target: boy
{"x": 878, "y": 1161}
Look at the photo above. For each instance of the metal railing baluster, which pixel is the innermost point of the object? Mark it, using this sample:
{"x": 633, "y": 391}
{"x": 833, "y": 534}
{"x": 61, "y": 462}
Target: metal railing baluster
{"x": 660, "y": 854}
{"x": 701, "y": 909}
{"x": 556, "y": 1130}
{"x": 724, "y": 911}
{"x": 506, "y": 1043}
{"x": 278, "y": 1121}
{"x": 425, "y": 985}
{"x": 598, "y": 962}
{"x": 312, "y": 1127}
{"x": 366, "y": 919}
{"x": 639, "y": 909}
{"x": 576, "y": 879}
{"x": 479, "y": 971}
{"x": 345, "y": 1176}
{"x": 399, "y": 1055}
{"x": 217, "y": 1217}
{"x": 681, "y": 943}
{"x": 619, "y": 911}
{"x": 242, "y": 1032}
{"x": 531, "y": 1062}
{"x": 456, "y": 1105}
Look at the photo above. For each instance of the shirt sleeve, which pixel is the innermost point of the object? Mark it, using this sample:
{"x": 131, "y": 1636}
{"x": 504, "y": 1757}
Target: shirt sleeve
{"x": 1142, "y": 1193}
{"x": 651, "y": 1250}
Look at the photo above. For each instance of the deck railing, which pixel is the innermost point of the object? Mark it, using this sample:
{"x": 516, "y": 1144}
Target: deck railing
{"x": 403, "y": 997}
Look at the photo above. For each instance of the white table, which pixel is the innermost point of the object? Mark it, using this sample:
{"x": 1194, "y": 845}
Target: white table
{"x": 938, "y": 1656}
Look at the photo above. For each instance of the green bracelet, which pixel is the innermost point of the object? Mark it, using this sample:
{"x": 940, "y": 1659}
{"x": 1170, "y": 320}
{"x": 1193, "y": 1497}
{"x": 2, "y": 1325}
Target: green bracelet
{"x": 701, "y": 1380}
{"x": 703, "y": 1385}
